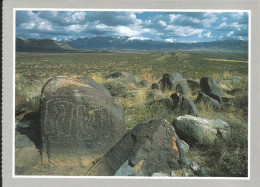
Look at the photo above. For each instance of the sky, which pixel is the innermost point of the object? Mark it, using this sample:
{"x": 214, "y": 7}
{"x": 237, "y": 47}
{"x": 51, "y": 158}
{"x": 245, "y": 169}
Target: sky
{"x": 185, "y": 27}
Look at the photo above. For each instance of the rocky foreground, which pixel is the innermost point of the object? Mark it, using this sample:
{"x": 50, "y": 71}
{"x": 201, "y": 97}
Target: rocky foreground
{"x": 77, "y": 128}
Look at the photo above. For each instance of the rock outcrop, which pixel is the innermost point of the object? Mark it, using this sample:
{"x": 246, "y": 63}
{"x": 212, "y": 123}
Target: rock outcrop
{"x": 149, "y": 148}
{"x": 175, "y": 82}
{"x": 209, "y": 86}
{"x": 78, "y": 117}
{"x": 210, "y": 102}
{"x": 199, "y": 131}
{"x": 184, "y": 105}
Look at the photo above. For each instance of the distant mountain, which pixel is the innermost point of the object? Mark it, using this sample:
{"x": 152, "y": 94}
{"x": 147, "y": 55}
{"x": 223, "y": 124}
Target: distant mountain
{"x": 41, "y": 45}
{"x": 125, "y": 43}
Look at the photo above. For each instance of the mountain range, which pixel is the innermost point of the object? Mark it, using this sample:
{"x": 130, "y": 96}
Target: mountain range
{"x": 123, "y": 43}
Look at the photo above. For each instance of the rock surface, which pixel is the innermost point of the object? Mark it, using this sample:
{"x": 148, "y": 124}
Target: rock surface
{"x": 156, "y": 86}
{"x": 209, "y": 86}
{"x": 149, "y": 148}
{"x": 184, "y": 105}
{"x": 21, "y": 103}
{"x": 175, "y": 82}
{"x": 210, "y": 102}
{"x": 78, "y": 117}
{"x": 142, "y": 83}
{"x": 199, "y": 131}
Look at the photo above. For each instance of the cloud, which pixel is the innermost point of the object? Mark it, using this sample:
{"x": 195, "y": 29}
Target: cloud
{"x": 163, "y": 26}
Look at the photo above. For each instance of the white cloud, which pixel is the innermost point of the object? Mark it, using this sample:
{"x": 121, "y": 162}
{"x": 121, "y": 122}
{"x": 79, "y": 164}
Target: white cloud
{"x": 76, "y": 28}
{"x": 170, "y": 40}
{"x": 162, "y": 23}
{"x": 30, "y": 25}
{"x": 184, "y": 31}
{"x": 230, "y": 33}
{"x": 173, "y": 17}
{"x": 79, "y": 16}
{"x": 44, "y": 25}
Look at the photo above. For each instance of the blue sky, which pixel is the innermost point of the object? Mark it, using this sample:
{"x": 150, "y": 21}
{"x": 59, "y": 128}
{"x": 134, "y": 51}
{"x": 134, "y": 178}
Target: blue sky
{"x": 163, "y": 26}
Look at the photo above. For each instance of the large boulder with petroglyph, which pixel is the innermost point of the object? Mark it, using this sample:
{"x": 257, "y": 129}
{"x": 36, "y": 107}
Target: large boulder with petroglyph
{"x": 148, "y": 148}
{"x": 200, "y": 131}
{"x": 175, "y": 82}
{"x": 78, "y": 117}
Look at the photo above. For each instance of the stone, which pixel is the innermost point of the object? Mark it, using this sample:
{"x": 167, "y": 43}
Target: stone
{"x": 199, "y": 131}
{"x": 209, "y": 86}
{"x": 194, "y": 166}
{"x": 127, "y": 170}
{"x": 184, "y": 146}
{"x": 21, "y": 103}
{"x": 29, "y": 127}
{"x": 142, "y": 84}
{"x": 184, "y": 105}
{"x": 175, "y": 82}
{"x": 122, "y": 75}
{"x": 160, "y": 174}
{"x": 156, "y": 86}
{"x": 149, "y": 148}
{"x": 210, "y": 102}
{"x": 79, "y": 117}
{"x": 193, "y": 85}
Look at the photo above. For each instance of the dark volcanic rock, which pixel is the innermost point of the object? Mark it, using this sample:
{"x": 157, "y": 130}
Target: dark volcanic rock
{"x": 193, "y": 85}
{"x": 200, "y": 131}
{"x": 142, "y": 83}
{"x": 156, "y": 86}
{"x": 29, "y": 126}
{"x": 209, "y": 86}
{"x": 78, "y": 117}
{"x": 150, "y": 147}
{"x": 184, "y": 105}
{"x": 122, "y": 75}
{"x": 208, "y": 100}
{"x": 175, "y": 82}
{"x": 21, "y": 103}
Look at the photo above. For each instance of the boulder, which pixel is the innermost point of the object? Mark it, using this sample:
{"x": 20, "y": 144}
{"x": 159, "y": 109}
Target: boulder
{"x": 122, "y": 75}
{"x": 184, "y": 105}
{"x": 184, "y": 146}
{"x": 148, "y": 148}
{"x": 175, "y": 82}
{"x": 29, "y": 126}
{"x": 193, "y": 85}
{"x": 79, "y": 117}
{"x": 209, "y": 86}
{"x": 21, "y": 103}
{"x": 210, "y": 102}
{"x": 156, "y": 86}
{"x": 198, "y": 130}
{"x": 142, "y": 84}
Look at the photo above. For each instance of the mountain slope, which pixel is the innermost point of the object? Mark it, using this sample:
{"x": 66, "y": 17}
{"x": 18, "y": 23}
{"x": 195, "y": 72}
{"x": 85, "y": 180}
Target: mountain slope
{"x": 124, "y": 43}
{"x": 41, "y": 45}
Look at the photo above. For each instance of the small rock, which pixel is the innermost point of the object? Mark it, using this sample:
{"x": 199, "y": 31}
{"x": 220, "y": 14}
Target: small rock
{"x": 184, "y": 146}
{"x": 159, "y": 174}
{"x": 194, "y": 166}
{"x": 143, "y": 83}
{"x": 156, "y": 86}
